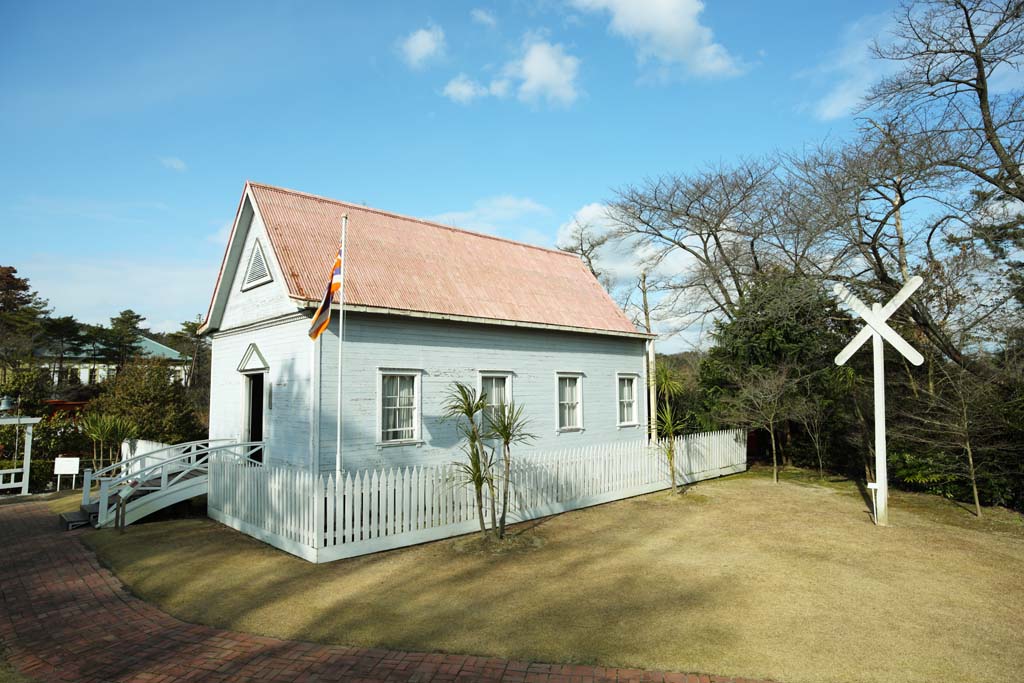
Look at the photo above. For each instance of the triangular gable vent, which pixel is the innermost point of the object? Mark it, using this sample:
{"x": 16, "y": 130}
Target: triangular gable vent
{"x": 253, "y": 360}
{"x": 257, "y": 273}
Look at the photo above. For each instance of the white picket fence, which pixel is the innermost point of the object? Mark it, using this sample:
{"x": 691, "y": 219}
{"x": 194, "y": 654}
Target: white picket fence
{"x": 323, "y": 518}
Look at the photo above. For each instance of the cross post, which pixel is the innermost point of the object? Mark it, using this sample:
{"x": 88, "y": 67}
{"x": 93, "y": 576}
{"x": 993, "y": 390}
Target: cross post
{"x": 878, "y": 330}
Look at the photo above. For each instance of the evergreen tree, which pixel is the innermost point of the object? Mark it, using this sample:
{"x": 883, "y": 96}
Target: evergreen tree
{"x": 21, "y": 320}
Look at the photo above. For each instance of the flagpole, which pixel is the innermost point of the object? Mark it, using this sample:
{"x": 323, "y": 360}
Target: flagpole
{"x": 341, "y": 334}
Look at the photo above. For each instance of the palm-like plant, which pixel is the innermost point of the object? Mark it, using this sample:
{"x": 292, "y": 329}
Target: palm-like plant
{"x": 463, "y": 403}
{"x": 107, "y": 432}
{"x": 97, "y": 427}
{"x": 507, "y": 424}
{"x": 121, "y": 429}
{"x": 669, "y": 427}
{"x": 669, "y": 384}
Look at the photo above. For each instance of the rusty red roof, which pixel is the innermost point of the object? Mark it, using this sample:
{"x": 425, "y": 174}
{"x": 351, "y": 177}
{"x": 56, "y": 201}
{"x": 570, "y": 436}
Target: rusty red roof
{"x": 407, "y": 264}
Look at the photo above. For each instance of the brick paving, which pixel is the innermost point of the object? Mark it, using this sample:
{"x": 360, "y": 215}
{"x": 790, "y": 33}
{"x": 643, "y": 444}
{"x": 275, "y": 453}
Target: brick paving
{"x": 63, "y": 617}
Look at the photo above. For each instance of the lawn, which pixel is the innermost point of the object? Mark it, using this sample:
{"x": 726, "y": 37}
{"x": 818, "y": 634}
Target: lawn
{"x": 738, "y": 577}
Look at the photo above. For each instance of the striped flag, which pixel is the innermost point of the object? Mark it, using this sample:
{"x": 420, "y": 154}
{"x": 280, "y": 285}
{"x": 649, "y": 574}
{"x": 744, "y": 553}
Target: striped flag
{"x": 322, "y": 318}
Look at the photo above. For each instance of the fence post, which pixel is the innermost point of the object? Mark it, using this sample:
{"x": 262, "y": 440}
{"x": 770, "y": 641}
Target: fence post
{"x": 104, "y": 495}
{"x": 86, "y": 485}
{"x": 27, "y": 472}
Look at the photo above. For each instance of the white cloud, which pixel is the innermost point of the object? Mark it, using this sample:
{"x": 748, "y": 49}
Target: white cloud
{"x": 546, "y": 72}
{"x": 668, "y": 31}
{"x": 174, "y": 163}
{"x": 622, "y": 261}
{"x": 423, "y": 46}
{"x": 543, "y": 72}
{"x": 484, "y": 17}
{"x": 463, "y": 89}
{"x": 850, "y": 69}
{"x": 502, "y": 215}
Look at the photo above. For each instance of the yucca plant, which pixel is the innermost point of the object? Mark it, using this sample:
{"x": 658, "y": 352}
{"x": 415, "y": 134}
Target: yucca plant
{"x": 507, "y": 425}
{"x": 107, "y": 432}
{"x": 462, "y": 403}
{"x": 97, "y": 427}
{"x": 669, "y": 427}
{"x": 121, "y": 429}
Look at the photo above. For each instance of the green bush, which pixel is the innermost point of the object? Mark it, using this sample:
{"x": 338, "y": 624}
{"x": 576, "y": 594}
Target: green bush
{"x": 40, "y": 473}
{"x": 57, "y": 434}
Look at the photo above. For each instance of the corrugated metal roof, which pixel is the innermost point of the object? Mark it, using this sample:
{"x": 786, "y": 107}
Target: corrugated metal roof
{"x": 409, "y": 264}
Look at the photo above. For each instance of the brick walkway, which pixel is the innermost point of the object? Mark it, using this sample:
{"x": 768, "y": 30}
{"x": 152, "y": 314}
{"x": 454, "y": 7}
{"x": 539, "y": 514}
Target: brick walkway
{"x": 63, "y": 617}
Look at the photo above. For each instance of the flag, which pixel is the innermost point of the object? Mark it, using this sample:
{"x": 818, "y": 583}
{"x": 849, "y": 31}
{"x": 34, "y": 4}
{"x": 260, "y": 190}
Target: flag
{"x": 322, "y": 318}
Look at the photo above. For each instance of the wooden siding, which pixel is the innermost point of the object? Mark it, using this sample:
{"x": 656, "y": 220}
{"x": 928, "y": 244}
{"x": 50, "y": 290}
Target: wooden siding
{"x": 288, "y": 392}
{"x": 262, "y": 302}
{"x": 446, "y": 352}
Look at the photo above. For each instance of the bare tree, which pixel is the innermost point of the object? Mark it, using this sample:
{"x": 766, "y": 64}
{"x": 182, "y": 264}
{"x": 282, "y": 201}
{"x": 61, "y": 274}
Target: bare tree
{"x": 951, "y": 52}
{"x": 958, "y": 424}
{"x": 586, "y": 241}
{"x": 813, "y": 411}
{"x": 709, "y": 218}
{"x": 764, "y": 400}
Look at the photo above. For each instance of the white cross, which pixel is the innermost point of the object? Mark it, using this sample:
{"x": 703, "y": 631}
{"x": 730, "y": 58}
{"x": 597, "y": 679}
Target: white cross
{"x": 878, "y": 329}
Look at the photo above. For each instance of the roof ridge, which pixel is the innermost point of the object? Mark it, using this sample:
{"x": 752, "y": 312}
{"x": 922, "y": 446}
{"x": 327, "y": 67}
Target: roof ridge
{"x": 160, "y": 344}
{"x": 424, "y": 221}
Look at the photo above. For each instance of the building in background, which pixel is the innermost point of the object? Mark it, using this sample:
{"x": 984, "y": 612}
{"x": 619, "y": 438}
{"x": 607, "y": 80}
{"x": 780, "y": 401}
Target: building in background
{"x": 82, "y": 367}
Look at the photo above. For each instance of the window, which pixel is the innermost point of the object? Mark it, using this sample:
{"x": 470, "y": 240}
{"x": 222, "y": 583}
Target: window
{"x": 399, "y": 406}
{"x": 570, "y": 402}
{"x": 497, "y": 388}
{"x": 627, "y": 400}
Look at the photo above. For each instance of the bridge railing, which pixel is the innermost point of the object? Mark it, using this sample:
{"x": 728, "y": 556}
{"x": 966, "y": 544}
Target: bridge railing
{"x": 141, "y": 461}
{"x": 168, "y": 472}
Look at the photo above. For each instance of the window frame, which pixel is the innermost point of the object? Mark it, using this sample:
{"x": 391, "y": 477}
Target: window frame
{"x": 486, "y": 374}
{"x": 417, "y": 406}
{"x": 635, "y": 378}
{"x": 579, "y": 427}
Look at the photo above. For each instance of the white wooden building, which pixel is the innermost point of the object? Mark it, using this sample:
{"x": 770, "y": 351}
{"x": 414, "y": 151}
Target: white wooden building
{"x": 425, "y": 305}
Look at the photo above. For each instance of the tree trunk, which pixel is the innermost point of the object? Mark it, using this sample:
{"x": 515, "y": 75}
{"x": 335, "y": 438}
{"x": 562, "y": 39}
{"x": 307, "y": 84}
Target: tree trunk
{"x": 504, "y": 493}
{"x": 974, "y": 480}
{"x": 494, "y": 508}
{"x": 672, "y": 462}
{"x": 817, "y": 452}
{"x": 775, "y": 457}
{"x": 480, "y": 509}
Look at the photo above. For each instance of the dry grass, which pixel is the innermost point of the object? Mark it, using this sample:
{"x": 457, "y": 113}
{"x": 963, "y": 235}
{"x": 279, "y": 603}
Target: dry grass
{"x": 58, "y": 501}
{"x": 737, "y": 577}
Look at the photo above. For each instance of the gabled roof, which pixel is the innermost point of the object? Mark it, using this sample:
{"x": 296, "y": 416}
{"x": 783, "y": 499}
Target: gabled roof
{"x": 146, "y": 347}
{"x": 399, "y": 264}
{"x": 153, "y": 348}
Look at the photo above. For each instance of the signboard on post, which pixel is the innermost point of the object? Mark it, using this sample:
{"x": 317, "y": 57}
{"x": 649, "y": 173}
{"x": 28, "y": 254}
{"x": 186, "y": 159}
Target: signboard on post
{"x": 878, "y": 329}
{"x": 66, "y": 465}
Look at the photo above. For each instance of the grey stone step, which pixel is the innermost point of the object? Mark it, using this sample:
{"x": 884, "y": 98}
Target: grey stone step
{"x": 74, "y": 519}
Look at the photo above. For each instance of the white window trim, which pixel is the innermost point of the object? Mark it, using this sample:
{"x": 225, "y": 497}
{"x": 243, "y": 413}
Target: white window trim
{"x": 269, "y": 277}
{"x": 507, "y": 374}
{"x": 579, "y": 387}
{"x": 417, "y": 420}
{"x": 636, "y": 399}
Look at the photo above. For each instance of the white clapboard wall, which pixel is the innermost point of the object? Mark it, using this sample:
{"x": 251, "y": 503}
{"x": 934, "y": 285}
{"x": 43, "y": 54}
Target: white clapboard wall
{"x": 323, "y": 518}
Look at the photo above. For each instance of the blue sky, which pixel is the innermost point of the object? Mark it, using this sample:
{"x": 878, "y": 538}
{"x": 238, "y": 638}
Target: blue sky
{"x": 128, "y": 129}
